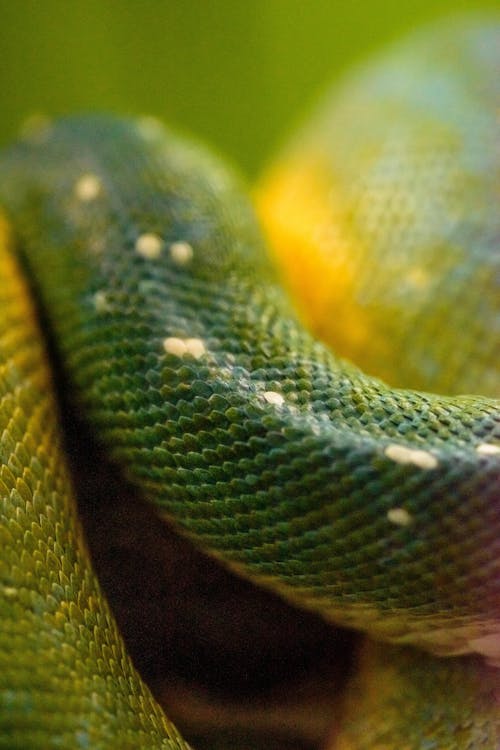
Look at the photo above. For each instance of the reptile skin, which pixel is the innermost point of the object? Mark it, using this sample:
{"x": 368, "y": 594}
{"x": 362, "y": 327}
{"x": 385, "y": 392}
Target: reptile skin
{"x": 377, "y": 507}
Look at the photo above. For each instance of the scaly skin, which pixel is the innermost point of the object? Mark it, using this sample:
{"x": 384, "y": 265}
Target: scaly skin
{"x": 407, "y": 700}
{"x": 387, "y": 202}
{"x": 377, "y": 507}
{"x": 65, "y": 678}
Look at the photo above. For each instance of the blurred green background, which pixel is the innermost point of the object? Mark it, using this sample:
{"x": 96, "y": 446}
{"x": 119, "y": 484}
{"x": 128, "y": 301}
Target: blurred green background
{"x": 237, "y": 73}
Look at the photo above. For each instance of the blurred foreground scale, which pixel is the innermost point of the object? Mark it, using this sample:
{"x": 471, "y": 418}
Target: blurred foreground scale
{"x": 383, "y": 212}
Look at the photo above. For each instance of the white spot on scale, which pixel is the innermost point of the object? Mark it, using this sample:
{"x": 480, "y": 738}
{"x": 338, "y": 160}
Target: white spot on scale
{"x": 399, "y": 516}
{"x": 101, "y": 302}
{"x": 149, "y": 245}
{"x": 195, "y": 347}
{"x": 488, "y": 449}
{"x": 403, "y": 455}
{"x": 179, "y": 347}
{"x": 272, "y": 397}
{"x": 181, "y": 253}
{"x": 175, "y": 346}
{"x": 88, "y": 187}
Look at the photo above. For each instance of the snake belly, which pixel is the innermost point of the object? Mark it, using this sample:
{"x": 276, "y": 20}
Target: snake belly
{"x": 378, "y": 508}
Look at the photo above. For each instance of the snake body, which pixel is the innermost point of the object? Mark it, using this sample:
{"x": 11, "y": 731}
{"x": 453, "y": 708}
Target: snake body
{"x": 376, "y": 507}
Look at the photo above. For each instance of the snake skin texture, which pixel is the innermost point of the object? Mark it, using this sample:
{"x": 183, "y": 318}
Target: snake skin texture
{"x": 378, "y": 508}
{"x": 65, "y": 678}
{"x": 385, "y": 200}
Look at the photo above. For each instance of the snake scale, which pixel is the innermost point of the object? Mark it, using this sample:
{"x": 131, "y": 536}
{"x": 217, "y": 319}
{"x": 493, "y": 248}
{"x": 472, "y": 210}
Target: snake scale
{"x": 374, "y": 506}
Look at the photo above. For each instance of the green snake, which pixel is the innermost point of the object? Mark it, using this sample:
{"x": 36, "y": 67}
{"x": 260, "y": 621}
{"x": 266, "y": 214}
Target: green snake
{"x": 375, "y": 507}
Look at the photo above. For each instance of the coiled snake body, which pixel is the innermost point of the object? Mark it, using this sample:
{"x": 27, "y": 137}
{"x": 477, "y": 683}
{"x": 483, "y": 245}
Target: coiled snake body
{"x": 377, "y": 507}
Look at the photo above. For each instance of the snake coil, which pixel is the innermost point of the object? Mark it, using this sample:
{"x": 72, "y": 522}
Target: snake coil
{"x": 375, "y": 506}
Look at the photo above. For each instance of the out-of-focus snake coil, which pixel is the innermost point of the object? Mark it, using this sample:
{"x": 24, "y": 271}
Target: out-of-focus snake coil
{"x": 375, "y": 506}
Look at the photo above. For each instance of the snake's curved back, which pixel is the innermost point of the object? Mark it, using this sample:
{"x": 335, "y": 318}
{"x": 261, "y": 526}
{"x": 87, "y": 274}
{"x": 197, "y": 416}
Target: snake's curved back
{"x": 385, "y": 199}
{"x": 377, "y": 507}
